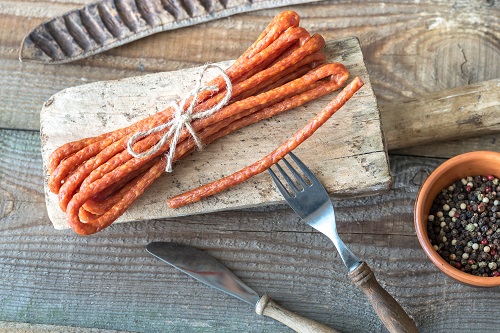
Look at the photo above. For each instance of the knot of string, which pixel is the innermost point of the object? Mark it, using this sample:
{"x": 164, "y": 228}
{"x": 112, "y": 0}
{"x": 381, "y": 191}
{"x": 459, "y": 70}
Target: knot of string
{"x": 182, "y": 118}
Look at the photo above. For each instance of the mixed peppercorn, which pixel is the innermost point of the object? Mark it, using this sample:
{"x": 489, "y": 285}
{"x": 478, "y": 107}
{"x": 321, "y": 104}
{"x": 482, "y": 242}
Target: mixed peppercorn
{"x": 464, "y": 225}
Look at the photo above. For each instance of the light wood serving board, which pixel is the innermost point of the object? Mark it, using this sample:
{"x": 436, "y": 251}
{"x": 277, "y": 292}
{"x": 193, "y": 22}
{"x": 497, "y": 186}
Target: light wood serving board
{"x": 347, "y": 153}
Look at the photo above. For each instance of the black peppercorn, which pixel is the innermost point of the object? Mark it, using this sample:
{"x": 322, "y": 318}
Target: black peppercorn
{"x": 465, "y": 225}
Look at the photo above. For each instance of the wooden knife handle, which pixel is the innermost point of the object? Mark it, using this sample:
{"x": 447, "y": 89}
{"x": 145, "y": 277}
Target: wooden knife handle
{"x": 394, "y": 317}
{"x": 269, "y": 308}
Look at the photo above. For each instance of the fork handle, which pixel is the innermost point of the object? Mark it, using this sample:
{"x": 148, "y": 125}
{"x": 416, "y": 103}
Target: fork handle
{"x": 394, "y": 317}
{"x": 269, "y": 308}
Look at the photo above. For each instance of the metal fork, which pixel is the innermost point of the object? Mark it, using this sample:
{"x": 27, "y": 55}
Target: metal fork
{"x": 312, "y": 203}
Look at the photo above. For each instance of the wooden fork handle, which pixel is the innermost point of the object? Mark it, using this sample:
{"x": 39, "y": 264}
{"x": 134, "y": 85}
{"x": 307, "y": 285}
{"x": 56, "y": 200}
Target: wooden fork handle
{"x": 269, "y": 308}
{"x": 394, "y": 317}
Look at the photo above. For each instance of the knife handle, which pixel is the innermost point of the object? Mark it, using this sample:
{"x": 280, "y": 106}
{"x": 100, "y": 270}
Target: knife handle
{"x": 394, "y": 317}
{"x": 269, "y": 308}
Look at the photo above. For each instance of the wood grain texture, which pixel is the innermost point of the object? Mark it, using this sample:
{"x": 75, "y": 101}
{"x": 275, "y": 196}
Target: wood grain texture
{"x": 269, "y": 308}
{"x": 454, "y": 147}
{"x": 350, "y": 143}
{"x": 447, "y": 115}
{"x": 7, "y": 327}
{"x": 412, "y": 49}
{"x": 390, "y": 312}
{"x": 55, "y": 277}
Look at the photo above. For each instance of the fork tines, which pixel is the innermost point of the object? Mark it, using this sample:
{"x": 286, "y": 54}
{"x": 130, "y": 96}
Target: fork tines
{"x": 303, "y": 181}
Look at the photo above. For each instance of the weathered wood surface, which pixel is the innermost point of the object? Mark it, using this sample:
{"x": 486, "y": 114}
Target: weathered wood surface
{"x": 8, "y": 327}
{"x": 56, "y": 277}
{"x": 110, "y": 283}
{"x": 350, "y": 143}
{"x": 450, "y": 114}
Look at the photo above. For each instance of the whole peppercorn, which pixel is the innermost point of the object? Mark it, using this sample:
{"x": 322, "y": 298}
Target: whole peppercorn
{"x": 481, "y": 208}
{"x": 464, "y": 224}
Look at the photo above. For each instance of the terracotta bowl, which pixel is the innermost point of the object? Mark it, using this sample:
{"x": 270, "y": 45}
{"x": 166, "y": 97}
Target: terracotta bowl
{"x": 458, "y": 167}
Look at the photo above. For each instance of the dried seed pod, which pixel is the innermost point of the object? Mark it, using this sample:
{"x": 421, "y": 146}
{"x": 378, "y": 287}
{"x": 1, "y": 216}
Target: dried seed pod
{"x": 106, "y": 24}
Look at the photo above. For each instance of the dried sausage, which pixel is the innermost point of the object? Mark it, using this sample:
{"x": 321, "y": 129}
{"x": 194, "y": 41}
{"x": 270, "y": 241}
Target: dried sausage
{"x": 268, "y": 160}
{"x": 97, "y": 179}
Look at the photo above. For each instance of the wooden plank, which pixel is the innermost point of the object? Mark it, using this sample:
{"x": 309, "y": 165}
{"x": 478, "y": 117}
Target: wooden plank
{"x": 350, "y": 144}
{"x": 411, "y": 49}
{"x": 21, "y": 107}
{"x": 7, "y": 327}
{"x": 452, "y": 148}
{"x": 58, "y": 278}
{"x": 21, "y": 180}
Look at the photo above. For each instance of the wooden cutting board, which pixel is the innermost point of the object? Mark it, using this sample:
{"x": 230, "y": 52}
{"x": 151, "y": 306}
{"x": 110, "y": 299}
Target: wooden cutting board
{"x": 347, "y": 153}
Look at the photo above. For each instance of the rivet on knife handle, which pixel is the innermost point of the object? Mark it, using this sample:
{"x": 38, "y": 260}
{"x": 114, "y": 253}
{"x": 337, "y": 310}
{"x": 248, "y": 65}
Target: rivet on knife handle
{"x": 269, "y": 308}
{"x": 394, "y": 317}
{"x": 106, "y": 24}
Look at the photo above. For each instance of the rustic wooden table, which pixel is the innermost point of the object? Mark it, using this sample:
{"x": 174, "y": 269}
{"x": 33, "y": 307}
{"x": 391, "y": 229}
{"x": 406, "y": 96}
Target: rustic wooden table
{"x": 56, "y": 281}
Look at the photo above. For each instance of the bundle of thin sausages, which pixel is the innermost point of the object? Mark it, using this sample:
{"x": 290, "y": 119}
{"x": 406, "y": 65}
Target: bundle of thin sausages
{"x": 97, "y": 179}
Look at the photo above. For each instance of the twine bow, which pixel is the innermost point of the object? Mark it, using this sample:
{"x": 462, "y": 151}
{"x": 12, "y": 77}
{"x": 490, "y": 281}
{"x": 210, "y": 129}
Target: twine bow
{"x": 183, "y": 116}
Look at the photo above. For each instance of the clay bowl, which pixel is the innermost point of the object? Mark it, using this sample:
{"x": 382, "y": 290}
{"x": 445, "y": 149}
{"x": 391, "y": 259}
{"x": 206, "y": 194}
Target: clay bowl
{"x": 458, "y": 167}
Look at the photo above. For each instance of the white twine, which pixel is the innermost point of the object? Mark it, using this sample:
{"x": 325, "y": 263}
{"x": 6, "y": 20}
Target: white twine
{"x": 182, "y": 118}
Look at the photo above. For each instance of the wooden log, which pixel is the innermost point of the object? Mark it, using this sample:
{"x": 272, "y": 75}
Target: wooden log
{"x": 447, "y": 115}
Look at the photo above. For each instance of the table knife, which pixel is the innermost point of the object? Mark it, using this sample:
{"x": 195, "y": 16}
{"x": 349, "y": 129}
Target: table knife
{"x": 105, "y": 24}
{"x": 206, "y": 269}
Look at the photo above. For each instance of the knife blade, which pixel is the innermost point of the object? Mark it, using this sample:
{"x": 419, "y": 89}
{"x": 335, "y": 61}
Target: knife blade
{"x": 206, "y": 269}
{"x": 105, "y": 24}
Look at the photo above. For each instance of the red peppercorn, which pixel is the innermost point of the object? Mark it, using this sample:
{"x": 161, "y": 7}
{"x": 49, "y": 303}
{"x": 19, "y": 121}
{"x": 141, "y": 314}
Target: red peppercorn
{"x": 457, "y": 215}
{"x": 484, "y": 241}
{"x": 491, "y": 177}
{"x": 468, "y": 188}
{"x": 481, "y": 208}
{"x": 496, "y": 273}
{"x": 487, "y": 189}
{"x": 493, "y": 252}
{"x": 458, "y": 265}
